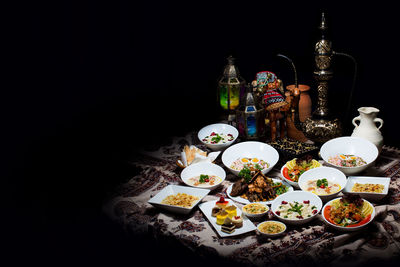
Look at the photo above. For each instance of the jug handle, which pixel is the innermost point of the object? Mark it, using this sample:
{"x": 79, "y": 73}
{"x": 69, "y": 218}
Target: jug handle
{"x": 380, "y": 121}
{"x": 356, "y": 119}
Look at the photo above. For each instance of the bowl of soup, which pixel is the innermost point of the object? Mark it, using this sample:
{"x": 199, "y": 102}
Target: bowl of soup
{"x": 325, "y": 182}
{"x": 203, "y": 175}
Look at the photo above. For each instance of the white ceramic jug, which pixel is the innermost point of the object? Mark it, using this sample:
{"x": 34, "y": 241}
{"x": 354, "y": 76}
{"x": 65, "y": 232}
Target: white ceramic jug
{"x": 367, "y": 128}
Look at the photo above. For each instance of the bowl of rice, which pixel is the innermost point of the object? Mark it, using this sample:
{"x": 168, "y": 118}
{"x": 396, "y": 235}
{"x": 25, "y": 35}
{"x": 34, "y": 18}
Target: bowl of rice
{"x": 351, "y": 155}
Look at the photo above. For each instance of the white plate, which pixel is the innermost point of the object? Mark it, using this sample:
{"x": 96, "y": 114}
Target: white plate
{"x": 173, "y": 190}
{"x": 245, "y": 201}
{"x": 385, "y": 181}
{"x": 207, "y": 207}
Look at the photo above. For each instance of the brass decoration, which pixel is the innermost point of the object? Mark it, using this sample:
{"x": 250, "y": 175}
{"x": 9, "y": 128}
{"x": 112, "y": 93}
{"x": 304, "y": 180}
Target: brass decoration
{"x": 322, "y": 130}
{"x": 320, "y": 127}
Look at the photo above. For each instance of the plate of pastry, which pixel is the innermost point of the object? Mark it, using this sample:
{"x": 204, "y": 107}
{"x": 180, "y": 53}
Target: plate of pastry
{"x": 226, "y": 218}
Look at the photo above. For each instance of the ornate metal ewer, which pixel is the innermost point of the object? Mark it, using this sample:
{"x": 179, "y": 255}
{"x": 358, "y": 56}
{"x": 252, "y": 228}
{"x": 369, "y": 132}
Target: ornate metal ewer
{"x": 321, "y": 127}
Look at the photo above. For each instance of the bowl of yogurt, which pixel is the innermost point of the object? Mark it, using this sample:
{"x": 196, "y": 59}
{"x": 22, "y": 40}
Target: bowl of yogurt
{"x": 218, "y": 136}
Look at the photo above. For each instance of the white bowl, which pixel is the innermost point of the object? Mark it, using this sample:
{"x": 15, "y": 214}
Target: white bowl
{"x": 342, "y": 228}
{"x": 203, "y": 168}
{"x": 292, "y": 183}
{"x": 331, "y": 174}
{"x": 298, "y": 196}
{"x": 385, "y": 181}
{"x": 218, "y": 128}
{"x": 252, "y": 215}
{"x": 350, "y": 146}
{"x": 250, "y": 149}
{"x": 173, "y": 190}
{"x": 271, "y": 235}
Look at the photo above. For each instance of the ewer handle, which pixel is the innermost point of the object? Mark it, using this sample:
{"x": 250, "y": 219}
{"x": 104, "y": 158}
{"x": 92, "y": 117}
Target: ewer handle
{"x": 358, "y": 118}
{"x": 380, "y": 121}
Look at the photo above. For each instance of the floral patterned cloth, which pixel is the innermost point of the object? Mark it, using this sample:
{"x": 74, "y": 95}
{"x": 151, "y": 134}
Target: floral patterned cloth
{"x": 311, "y": 243}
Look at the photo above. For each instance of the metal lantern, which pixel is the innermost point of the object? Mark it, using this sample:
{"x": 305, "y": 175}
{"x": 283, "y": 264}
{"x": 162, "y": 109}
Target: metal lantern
{"x": 250, "y": 116}
{"x": 231, "y": 87}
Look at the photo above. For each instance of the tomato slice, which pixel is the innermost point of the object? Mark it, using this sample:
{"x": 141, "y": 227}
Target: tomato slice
{"x": 327, "y": 215}
{"x": 286, "y": 174}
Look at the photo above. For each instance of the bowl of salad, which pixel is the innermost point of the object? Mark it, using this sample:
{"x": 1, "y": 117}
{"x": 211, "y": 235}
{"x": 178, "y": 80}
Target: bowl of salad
{"x": 297, "y": 207}
{"x": 294, "y": 168}
{"x": 250, "y": 154}
{"x": 348, "y": 213}
{"x": 351, "y": 155}
{"x": 218, "y": 136}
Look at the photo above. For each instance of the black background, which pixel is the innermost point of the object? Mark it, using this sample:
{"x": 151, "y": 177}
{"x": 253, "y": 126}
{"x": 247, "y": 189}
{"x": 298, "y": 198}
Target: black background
{"x": 90, "y": 83}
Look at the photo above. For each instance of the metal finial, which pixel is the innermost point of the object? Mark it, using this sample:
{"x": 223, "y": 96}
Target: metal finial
{"x": 231, "y": 60}
{"x": 323, "y": 25}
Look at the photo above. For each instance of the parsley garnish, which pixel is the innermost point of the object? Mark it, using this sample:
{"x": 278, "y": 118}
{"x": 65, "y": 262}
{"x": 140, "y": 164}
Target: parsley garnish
{"x": 203, "y": 178}
{"x": 245, "y": 173}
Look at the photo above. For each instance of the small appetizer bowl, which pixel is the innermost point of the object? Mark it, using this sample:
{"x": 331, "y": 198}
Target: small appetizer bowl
{"x": 219, "y": 128}
{"x": 293, "y": 183}
{"x": 332, "y": 175}
{"x": 343, "y": 228}
{"x": 255, "y": 210}
{"x": 348, "y": 145}
{"x": 371, "y": 196}
{"x": 250, "y": 149}
{"x": 300, "y": 197}
{"x": 205, "y": 168}
{"x": 261, "y": 228}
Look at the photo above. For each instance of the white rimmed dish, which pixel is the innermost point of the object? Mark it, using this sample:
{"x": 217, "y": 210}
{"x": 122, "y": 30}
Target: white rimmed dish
{"x": 255, "y": 215}
{"x": 385, "y": 181}
{"x": 293, "y": 183}
{"x": 250, "y": 149}
{"x": 220, "y": 128}
{"x": 173, "y": 190}
{"x": 246, "y": 201}
{"x": 207, "y": 207}
{"x": 206, "y": 168}
{"x": 298, "y": 196}
{"x": 348, "y": 145}
{"x": 333, "y": 175}
{"x": 343, "y": 228}
{"x": 269, "y": 234}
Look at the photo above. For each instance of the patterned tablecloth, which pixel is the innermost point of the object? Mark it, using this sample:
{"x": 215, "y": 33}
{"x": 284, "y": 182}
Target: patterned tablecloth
{"x": 310, "y": 243}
